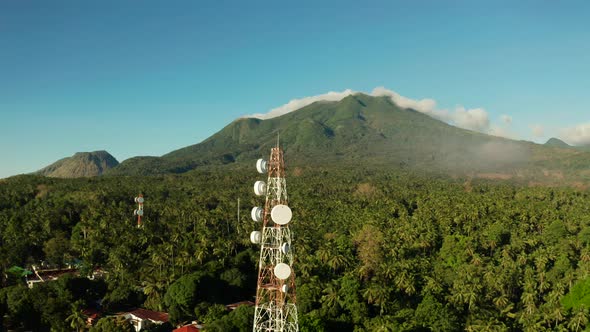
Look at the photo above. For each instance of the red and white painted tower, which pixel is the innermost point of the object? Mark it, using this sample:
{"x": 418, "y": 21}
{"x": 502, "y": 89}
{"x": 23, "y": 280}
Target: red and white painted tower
{"x": 276, "y": 309}
{"x": 139, "y": 211}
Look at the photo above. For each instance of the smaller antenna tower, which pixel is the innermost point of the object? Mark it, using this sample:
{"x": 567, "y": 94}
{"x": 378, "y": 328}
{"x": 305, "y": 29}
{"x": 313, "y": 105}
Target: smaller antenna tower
{"x": 139, "y": 211}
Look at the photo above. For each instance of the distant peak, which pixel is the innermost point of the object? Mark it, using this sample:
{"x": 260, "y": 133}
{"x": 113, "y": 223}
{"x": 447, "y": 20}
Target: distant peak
{"x": 556, "y": 142}
{"x": 81, "y": 164}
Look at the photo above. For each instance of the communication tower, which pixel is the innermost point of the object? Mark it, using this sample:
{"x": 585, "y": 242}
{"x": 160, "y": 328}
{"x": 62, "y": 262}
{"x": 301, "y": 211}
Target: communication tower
{"x": 139, "y": 211}
{"x": 276, "y": 309}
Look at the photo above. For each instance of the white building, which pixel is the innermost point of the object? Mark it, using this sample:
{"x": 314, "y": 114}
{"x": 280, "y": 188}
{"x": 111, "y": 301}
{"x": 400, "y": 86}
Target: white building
{"x": 141, "y": 318}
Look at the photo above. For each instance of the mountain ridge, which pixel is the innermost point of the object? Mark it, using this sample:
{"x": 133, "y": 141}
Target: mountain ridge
{"x": 360, "y": 129}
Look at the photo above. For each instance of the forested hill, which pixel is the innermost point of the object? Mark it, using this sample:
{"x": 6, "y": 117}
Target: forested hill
{"x": 556, "y": 142}
{"x": 361, "y": 130}
{"x": 81, "y": 164}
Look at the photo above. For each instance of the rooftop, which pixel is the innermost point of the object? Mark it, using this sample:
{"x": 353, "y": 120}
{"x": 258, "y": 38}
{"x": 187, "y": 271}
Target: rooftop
{"x": 155, "y": 316}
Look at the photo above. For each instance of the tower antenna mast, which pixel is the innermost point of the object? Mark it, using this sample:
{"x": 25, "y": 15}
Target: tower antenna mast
{"x": 139, "y": 211}
{"x": 276, "y": 303}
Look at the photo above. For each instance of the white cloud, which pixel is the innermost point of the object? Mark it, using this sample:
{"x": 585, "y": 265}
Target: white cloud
{"x": 296, "y": 104}
{"x": 422, "y": 105}
{"x": 537, "y": 130}
{"x": 476, "y": 119}
{"x": 578, "y": 135}
{"x": 473, "y": 119}
{"x": 502, "y": 131}
{"x": 498, "y": 131}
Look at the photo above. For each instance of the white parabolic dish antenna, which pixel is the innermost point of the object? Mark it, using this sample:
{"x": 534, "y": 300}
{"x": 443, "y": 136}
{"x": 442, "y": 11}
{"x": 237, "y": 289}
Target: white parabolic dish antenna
{"x": 255, "y": 237}
{"x": 285, "y": 248}
{"x": 282, "y": 271}
{"x": 261, "y": 166}
{"x": 260, "y": 188}
{"x": 139, "y": 199}
{"x": 281, "y": 214}
{"x": 140, "y": 212}
{"x": 257, "y": 213}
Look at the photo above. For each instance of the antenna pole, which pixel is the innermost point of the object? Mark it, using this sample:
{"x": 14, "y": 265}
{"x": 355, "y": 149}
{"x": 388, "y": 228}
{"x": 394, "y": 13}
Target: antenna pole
{"x": 238, "y": 224}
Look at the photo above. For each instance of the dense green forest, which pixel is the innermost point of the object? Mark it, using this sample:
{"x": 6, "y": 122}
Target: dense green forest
{"x": 374, "y": 250}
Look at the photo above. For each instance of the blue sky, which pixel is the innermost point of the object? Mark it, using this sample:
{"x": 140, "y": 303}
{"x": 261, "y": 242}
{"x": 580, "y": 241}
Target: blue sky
{"x": 148, "y": 77}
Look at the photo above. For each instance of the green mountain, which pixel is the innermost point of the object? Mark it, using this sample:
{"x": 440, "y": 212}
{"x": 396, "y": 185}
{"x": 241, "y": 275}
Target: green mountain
{"x": 362, "y": 129}
{"x": 557, "y": 143}
{"x": 81, "y": 164}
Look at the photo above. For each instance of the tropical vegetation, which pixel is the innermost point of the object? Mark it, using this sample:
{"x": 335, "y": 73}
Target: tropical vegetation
{"x": 376, "y": 250}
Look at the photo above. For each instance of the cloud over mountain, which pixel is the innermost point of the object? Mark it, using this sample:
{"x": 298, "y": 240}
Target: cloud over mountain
{"x": 476, "y": 119}
{"x": 296, "y": 104}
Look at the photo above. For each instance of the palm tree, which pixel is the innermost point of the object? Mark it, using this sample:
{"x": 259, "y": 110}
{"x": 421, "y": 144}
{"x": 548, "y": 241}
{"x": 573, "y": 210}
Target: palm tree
{"x": 404, "y": 281}
{"x": 77, "y": 319}
{"x": 337, "y": 261}
{"x": 153, "y": 289}
{"x": 579, "y": 320}
{"x": 376, "y": 294}
{"x": 331, "y": 297}
{"x": 501, "y": 301}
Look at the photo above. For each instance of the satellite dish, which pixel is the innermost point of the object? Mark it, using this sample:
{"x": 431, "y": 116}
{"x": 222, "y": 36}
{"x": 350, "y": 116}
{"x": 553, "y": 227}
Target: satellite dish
{"x": 281, "y": 214}
{"x": 139, "y": 200}
{"x": 285, "y": 288}
{"x": 260, "y": 188}
{"x": 135, "y": 199}
{"x": 261, "y": 166}
{"x": 140, "y": 212}
{"x": 255, "y": 237}
{"x": 257, "y": 213}
{"x": 285, "y": 248}
{"x": 134, "y": 212}
{"x": 282, "y": 271}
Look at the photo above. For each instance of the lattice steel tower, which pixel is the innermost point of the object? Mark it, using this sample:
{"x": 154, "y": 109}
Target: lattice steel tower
{"x": 276, "y": 309}
{"x": 139, "y": 211}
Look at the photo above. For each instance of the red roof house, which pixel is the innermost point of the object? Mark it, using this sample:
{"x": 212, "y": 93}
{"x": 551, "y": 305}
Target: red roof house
{"x": 187, "y": 328}
{"x": 92, "y": 315}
